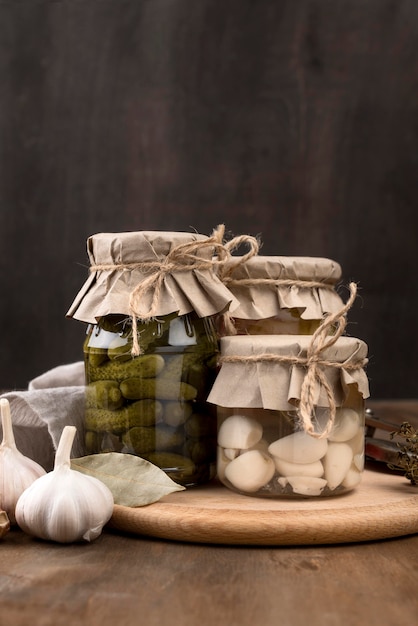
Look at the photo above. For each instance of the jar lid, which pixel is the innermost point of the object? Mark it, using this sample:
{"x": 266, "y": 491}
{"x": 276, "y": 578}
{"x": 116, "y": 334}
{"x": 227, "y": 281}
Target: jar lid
{"x": 120, "y": 262}
{"x": 265, "y": 285}
{"x": 268, "y": 371}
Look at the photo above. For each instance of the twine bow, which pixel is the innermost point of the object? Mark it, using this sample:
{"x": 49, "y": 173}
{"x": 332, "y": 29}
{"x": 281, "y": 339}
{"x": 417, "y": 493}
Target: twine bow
{"x": 321, "y": 340}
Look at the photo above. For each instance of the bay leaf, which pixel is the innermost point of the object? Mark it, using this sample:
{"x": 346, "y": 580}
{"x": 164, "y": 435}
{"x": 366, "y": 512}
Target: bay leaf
{"x": 132, "y": 480}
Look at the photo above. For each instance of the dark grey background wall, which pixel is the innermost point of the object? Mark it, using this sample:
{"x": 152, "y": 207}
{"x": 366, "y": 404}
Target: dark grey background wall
{"x": 293, "y": 119}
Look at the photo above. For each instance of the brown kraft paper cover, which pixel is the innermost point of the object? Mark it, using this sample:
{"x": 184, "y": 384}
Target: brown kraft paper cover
{"x": 122, "y": 261}
{"x": 263, "y": 285}
{"x": 276, "y": 385}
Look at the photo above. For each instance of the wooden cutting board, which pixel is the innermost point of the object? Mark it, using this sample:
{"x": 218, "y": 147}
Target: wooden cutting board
{"x": 384, "y": 505}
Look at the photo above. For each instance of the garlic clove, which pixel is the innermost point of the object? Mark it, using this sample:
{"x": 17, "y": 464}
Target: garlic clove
{"x": 250, "y": 471}
{"x": 286, "y": 468}
{"x": 261, "y": 445}
{"x": 283, "y": 482}
{"x": 337, "y": 462}
{"x": 307, "y": 485}
{"x": 17, "y": 471}
{"x": 231, "y": 453}
{"x": 357, "y": 442}
{"x": 299, "y": 447}
{"x": 352, "y": 478}
{"x": 221, "y": 462}
{"x": 346, "y": 425}
{"x": 65, "y": 505}
{"x": 359, "y": 461}
{"x": 239, "y": 431}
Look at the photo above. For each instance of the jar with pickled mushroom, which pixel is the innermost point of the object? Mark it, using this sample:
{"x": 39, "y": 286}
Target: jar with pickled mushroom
{"x": 290, "y": 425}
{"x": 280, "y": 294}
{"x": 151, "y": 349}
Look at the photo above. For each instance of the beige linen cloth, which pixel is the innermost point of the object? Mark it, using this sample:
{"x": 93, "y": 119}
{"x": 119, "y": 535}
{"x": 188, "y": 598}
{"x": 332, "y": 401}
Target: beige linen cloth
{"x": 39, "y": 414}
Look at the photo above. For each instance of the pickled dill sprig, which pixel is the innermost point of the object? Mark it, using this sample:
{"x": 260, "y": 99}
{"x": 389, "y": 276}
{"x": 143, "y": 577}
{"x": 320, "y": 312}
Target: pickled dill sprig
{"x": 407, "y": 457}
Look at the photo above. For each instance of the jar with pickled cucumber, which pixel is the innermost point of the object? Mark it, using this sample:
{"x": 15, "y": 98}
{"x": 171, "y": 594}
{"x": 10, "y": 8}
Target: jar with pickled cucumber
{"x": 153, "y": 405}
{"x": 151, "y": 349}
{"x": 269, "y": 443}
{"x": 280, "y": 294}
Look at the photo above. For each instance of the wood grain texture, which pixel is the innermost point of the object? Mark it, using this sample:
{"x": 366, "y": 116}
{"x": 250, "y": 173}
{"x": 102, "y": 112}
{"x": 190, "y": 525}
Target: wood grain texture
{"x": 126, "y": 579}
{"x": 383, "y": 506}
{"x": 122, "y": 579}
{"x": 295, "y": 120}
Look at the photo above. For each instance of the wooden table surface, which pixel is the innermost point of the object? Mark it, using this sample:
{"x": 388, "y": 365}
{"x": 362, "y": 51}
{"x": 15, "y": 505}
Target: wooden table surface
{"x": 125, "y": 580}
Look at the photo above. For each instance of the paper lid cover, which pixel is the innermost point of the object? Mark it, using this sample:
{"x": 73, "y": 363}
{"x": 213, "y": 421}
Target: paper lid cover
{"x": 265, "y": 285}
{"x": 121, "y": 261}
{"x": 275, "y": 384}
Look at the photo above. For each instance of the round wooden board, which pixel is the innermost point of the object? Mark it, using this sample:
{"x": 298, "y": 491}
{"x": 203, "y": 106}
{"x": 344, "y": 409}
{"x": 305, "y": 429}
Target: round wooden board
{"x": 384, "y": 505}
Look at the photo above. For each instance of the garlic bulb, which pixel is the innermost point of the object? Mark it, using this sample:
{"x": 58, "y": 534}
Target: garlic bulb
{"x": 65, "y": 505}
{"x": 17, "y": 471}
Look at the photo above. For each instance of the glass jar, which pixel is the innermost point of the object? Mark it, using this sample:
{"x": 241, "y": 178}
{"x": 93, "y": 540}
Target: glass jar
{"x": 151, "y": 349}
{"x": 280, "y": 295}
{"x": 266, "y": 448}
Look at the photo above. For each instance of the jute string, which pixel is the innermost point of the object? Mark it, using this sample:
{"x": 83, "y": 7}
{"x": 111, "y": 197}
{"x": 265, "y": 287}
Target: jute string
{"x": 314, "y": 364}
{"x": 282, "y": 282}
{"x": 182, "y": 258}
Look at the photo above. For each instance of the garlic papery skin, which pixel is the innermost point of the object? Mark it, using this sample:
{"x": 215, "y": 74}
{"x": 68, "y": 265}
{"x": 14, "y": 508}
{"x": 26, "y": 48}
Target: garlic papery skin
{"x": 17, "y": 471}
{"x": 4, "y": 523}
{"x": 65, "y": 505}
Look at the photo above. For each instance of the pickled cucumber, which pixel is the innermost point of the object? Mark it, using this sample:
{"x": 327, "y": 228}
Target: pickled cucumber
{"x": 96, "y": 356}
{"x": 177, "y": 364}
{"x": 141, "y": 413}
{"x": 177, "y": 464}
{"x": 200, "y": 450}
{"x": 143, "y": 439}
{"x": 176, "y": 413}
{"x": 136, "y": 388}
{"x": 144, "y": 366}
{"x": 119, "y": 351}
{"x": 104, "y": 394}
{"x": 200, "y": 425}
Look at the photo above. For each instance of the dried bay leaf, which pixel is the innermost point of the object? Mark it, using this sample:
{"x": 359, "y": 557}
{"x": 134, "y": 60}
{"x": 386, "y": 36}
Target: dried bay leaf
{"x": 132, "y": 480}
